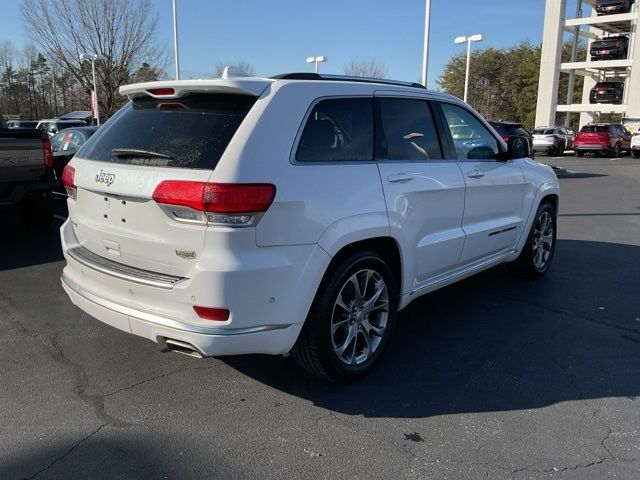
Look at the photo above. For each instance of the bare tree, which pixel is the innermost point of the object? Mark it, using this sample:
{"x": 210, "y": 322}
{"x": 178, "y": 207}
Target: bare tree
{"x": 242, "y": 65}
{"x": 120, "y": 30}
{"x": 368, "y": 68}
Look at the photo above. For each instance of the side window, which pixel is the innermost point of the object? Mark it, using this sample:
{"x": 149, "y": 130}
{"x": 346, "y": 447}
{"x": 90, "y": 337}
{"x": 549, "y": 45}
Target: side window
{"x": 406, "y": 131}
{"x": 339, "y": 129}
{"x": 472, "y": 140}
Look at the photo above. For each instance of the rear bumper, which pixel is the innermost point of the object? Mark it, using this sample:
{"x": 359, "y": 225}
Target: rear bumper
{"x": 545, "y": 148}
{"x": 213, "y": 341}
{"x": 591, "y": 147}
{"x": 268, "y": 291}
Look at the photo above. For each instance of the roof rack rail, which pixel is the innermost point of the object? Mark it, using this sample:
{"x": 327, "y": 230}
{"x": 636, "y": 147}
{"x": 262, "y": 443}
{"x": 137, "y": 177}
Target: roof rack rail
{"x": 343, "y": 78}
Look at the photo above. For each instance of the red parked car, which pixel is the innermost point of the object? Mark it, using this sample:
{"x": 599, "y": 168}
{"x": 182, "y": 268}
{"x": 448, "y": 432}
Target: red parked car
{"x": 599, "y": 138}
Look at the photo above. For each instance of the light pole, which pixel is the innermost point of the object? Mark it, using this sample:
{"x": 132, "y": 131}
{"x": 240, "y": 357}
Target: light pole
{"x": 468, "y": 40}
{"x": 175, "y": 39}
{"x": 425, "y": 50}
{"x": 85, "y": 57}
{"x": 316, "y": 60}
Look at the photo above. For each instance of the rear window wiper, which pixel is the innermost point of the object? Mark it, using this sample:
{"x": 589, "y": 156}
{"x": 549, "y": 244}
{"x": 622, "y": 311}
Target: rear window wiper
{"x": 137, "y": 153}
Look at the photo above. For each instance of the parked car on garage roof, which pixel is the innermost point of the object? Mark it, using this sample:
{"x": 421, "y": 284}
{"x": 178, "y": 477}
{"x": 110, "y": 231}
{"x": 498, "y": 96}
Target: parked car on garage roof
{"x": 608, "y": 7}
{"x": 607, "y": 92}
{"x": 610, "y": 48}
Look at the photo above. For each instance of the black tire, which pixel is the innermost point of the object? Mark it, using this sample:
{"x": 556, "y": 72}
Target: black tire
{"x": 314, "y": 350}
{"x": 635, "y": 153}
{"x": 579, "y": 153}
{"x": 616, "y": 151}
{"x": 525, "y": 265}
{"x": 37, "y": 211}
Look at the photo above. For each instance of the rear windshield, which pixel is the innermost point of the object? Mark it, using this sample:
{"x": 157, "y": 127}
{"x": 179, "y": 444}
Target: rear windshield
{"x": 595, "y": 128}
{"x": 543, "y": 131}
{"x": 189, "y": 132}
{"x": 508, "y": 130}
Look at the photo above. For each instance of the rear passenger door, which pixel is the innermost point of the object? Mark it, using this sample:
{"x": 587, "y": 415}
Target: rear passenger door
{"x": 423, "y": 191}
{"x": 495, "y": 189}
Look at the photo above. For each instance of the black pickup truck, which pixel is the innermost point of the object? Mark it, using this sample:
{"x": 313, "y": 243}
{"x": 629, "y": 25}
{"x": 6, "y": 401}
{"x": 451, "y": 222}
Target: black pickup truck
{"x": 27, "y": 178}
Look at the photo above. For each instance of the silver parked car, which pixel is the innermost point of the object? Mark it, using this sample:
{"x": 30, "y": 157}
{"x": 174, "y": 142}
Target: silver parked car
{"x": 552, "y": 140}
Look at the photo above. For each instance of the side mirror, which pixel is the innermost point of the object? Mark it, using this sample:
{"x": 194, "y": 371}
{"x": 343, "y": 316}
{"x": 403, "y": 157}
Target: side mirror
{"x": 518, "y": 147}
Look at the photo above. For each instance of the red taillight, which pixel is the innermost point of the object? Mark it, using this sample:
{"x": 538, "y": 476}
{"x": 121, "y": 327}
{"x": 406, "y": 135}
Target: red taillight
{"x": 48, "y": 154}
{"x": 216, "y": 197}
{"x": 506, "y": 138}
{"x": 210, "y": 313}
{"x": 162, "y": 92}
{"x": 68, "y": 176}
{"x": 68, "y": 180}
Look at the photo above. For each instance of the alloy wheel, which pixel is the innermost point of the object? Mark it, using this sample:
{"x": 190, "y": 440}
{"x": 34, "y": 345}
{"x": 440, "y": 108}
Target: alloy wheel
{"x": 359, "y": 317}
{"x": 542, "y": 240}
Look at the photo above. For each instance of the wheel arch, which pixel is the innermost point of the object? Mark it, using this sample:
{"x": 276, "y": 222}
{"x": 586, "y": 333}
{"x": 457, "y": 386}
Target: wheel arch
{"x": 387, "y": 247}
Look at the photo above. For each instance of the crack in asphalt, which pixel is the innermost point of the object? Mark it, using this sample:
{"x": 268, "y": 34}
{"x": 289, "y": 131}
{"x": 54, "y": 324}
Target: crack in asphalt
{"x": 157, "y": 377}
{"x": 68, "y": 452}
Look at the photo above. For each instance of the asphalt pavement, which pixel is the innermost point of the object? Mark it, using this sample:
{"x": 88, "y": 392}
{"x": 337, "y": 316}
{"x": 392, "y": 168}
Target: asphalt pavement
{"x": 489, "y": 378}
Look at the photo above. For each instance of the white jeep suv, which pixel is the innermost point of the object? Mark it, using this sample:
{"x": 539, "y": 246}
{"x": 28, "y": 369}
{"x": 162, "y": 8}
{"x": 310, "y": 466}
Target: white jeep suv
{"x": 297, "y": 213}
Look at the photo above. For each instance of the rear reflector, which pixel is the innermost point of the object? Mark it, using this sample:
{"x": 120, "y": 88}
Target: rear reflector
{"x": 216, "y": 197}
{"x": 162, "y": 92}
{"x": 48, "y": 154}
{"x": 210, "y": 313}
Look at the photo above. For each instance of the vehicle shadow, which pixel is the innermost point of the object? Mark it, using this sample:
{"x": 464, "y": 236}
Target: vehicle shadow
{"x": 21, "y": 246}
{"x": 119, "y": 456}
{"x": 491, "y": 343}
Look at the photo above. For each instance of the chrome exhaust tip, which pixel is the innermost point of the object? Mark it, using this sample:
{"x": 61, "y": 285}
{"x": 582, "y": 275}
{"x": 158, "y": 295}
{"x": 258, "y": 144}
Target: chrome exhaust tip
{"x": 183, "y": 347}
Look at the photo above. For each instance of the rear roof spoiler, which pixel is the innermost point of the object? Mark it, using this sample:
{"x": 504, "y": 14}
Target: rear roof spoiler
{"x": 180, "y": 88}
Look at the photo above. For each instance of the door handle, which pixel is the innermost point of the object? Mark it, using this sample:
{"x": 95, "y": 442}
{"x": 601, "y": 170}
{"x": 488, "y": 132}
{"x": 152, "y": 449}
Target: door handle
{"x": 400, "y": 178}
{"x": 475, "y": 174}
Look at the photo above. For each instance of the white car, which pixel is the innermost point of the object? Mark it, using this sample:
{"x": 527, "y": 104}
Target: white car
{"x": 297, "y": 213}
{"x": 635, "y": 144}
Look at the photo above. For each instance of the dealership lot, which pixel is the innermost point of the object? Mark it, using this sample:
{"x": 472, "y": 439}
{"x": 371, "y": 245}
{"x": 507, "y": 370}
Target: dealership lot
{"x": 490, "y": 378}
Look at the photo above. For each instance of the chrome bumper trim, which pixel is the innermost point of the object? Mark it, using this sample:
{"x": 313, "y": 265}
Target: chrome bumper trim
{"x": 119, "y": 270}
{"x": 67, "y": 283}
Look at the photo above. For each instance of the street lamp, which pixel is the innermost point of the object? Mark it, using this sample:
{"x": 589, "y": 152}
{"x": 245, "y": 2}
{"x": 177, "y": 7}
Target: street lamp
{"x": 468, "y": 40}
{"x": 85, "y": 57}
{"x": 425, "y": 46}
{"x": 316, "y": 60}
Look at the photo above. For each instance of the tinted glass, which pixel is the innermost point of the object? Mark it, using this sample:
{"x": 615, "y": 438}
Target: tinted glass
{"x": 338, "y": 129}
{"x": 407, "y": 131}
{"x": 543, "y": 131}
{"x": 595, "y": 128}
{"x": 472, "y": 140}
{"x": 193, "y": 131}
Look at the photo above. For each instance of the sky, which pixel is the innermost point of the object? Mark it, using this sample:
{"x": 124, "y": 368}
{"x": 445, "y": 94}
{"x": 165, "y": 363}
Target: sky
{"x": 276, "y": 36}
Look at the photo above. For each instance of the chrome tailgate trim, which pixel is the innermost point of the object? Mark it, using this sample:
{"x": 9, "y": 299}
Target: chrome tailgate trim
{"x": 119, "y": 270}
